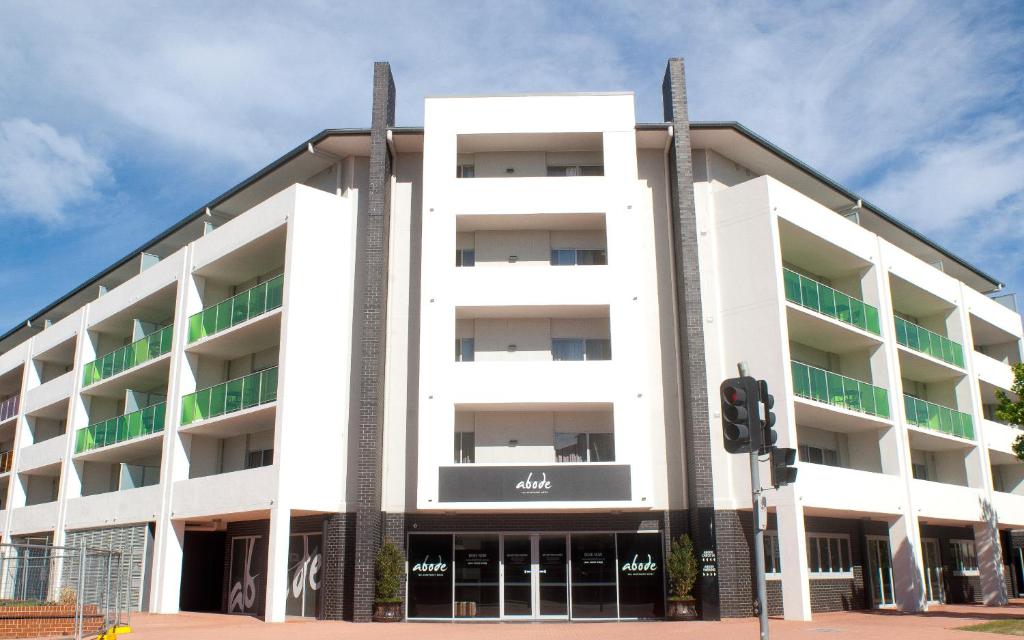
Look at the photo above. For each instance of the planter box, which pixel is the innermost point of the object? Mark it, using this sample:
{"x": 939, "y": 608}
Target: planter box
{"x": 46, "y": 620}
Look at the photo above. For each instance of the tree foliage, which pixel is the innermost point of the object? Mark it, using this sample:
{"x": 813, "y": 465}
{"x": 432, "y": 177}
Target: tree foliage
{"x": 390, "y": 567}
{"x": 1012, "y": 410}
{"x": 682, "y": 568}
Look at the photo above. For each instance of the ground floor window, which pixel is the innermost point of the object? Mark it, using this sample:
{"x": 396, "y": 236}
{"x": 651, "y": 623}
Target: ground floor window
{"x": 607, "y": 575}
{"x": 829, "y": 555}
{"x": 305, "y": 574}
{"x": 962, "y": 557}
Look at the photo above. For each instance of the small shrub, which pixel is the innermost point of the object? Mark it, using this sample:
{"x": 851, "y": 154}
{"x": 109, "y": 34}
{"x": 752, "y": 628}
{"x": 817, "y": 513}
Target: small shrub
{"x": 390, "y": 567}
{"x": 682, "y": 568}
{"x": 68, "y": 596}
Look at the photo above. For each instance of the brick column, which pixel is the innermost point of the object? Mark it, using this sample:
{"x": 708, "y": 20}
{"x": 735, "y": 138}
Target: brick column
{"x": 371, "y": 307}
{"x": 695, "y": 416}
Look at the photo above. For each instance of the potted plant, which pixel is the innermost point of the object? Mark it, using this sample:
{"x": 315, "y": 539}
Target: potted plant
{"x": 682, "y": 575}
{"x": 387, "y": 605}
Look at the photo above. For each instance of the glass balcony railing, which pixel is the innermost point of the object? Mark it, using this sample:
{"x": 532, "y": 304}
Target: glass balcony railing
{"x": 929, "y": 415}
{"x": 127, "y": 427}
{"x": 151, "y": 346}
{"x": 6, "y": 458}
{"x": 831, "y": 388}
{"x": 244, "y": 306}
{"x": 231, "y": 396}
{"x": 920, "y": 339}
{"x": 8, "y": 408}
{"x": 834, "y": 304}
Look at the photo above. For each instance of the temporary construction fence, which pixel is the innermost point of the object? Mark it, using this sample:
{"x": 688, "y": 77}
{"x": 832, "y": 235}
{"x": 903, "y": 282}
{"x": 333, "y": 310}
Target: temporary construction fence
{"x": 62, "y": 592}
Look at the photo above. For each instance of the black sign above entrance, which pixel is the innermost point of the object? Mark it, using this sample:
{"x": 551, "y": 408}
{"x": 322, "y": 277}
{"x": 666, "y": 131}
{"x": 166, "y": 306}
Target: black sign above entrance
{"x": 533, "y": 483}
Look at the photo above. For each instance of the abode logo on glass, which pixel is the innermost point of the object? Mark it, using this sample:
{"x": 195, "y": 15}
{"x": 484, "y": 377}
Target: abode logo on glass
{"x": 426, "y": 568}
{"x": 531, "y": 486}
{"x": 638, "y": 567}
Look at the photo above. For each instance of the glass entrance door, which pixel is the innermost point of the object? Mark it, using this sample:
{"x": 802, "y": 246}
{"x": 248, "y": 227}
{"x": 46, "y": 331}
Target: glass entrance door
{"x": 552, "y": 577}
{"x": 880, "y": 567}
{"x": 517, "y": 588}
{"x": 535, "y": 576}
{"x": 933, "y": 570}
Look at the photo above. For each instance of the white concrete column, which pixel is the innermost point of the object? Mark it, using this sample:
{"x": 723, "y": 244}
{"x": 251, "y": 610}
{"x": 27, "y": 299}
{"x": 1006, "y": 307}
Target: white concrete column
{"x": 796, "y": 586}
{"x": 277, "y": 563}
{"x": 169, "y": 549}
{"x": 908, "y": 573}
{"x": 990, "y": 561}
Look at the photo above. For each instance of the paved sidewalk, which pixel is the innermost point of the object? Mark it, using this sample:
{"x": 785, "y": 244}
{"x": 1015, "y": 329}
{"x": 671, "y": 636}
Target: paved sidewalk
{"x": 939, "y": 623}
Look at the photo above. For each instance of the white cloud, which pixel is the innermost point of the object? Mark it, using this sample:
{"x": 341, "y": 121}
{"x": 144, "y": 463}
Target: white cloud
{"x": 44, "y": 172}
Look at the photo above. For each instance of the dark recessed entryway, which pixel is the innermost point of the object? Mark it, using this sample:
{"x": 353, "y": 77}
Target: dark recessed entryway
{"x": 202, "y": 571}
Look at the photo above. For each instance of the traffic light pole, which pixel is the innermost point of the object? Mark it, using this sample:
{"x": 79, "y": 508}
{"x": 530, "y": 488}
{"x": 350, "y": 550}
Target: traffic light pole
{"x": 759, "y": 527}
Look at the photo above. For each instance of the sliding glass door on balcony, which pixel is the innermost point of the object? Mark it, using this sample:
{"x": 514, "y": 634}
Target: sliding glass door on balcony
{"x": 8, "y": 408}
{"x": 244, "y": 306}
{"x": 146, "y": 348}
{"x": 838, "y": 390}
{"x": 920, "y": 339}
{"x": 929, "y": 415}
{"x": 231, "y": 396}
{"x": 122, "y": 428}
{"x": 830, "y": 302}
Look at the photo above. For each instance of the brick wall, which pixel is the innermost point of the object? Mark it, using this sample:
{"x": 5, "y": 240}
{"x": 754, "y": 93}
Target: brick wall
{"x": 371, "y": 307}
{"x": 46, "y": 621}
{"x": 695, "y": 414}
{"x": 339, "y": 560}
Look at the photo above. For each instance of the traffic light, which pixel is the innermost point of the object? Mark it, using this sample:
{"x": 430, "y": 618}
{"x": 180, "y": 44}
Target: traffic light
{"x": 783, "y": 471}
{"x": 741, "y": 424}
{"x": 767, "y": 400}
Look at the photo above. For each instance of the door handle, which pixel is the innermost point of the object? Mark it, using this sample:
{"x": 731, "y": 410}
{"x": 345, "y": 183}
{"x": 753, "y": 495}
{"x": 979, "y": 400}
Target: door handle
{"x": 542, "y": 570}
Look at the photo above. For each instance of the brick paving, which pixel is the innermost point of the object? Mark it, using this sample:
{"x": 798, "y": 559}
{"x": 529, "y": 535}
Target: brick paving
{"x": 940, "y": 622}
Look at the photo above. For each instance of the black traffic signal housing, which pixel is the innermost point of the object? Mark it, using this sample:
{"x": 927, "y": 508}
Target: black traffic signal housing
{"x": 782, "y": 464}
{"x": 782, "y": 459}
{"x": 767, "y": 401}
{"x": 741, "y": 423}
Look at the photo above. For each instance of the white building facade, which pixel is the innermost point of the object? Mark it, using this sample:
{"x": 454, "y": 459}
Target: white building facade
{"x": 496, "y": 341}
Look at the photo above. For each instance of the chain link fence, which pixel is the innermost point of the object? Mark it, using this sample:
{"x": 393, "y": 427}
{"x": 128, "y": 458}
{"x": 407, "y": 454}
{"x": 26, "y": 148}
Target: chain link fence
{"x": 62, "y": 592}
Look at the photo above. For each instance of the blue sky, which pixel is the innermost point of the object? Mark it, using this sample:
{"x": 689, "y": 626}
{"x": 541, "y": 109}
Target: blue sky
{"x": 117, "y": 119}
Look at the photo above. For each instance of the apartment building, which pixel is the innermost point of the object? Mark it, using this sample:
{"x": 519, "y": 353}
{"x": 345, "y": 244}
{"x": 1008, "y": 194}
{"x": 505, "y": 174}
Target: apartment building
{"x": 496, "y": 340}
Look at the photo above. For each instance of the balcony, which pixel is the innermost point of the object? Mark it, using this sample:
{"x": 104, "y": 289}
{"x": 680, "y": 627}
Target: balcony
{"x": 839, "y": 391}
{"x": 236, "y": 310}
{"x": 147, "y": 348}
{"x": 931, "y": 416}
{"x": 851, "y": 492}
{"x": 230, "y": 397}
{"x": 130, "y": 426}
{"x": 929, "y": 343}
{"x": 8, "y": 408}
{"x": 827, "y": 301}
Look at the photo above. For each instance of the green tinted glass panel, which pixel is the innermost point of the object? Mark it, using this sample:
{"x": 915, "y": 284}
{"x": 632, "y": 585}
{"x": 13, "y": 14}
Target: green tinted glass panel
{"x": 217, "y": 397}
{"x": 257, "y": 300}
{"x": 901, "y": 331}
{"x": 827, "y": 301}
{"x": 935, "y": 345}
{"x": 141, "y": 351}
{"x": 867, "y": 398}
{"x": 275, "y": 292}
{"x": 210, "y": 321}
{"x": 159, "y": 416}
{"x": 135, "y": 424}
{"x": 166, "y": 336}
{"x": 801, "y": 380}
{"x": 958, "y": 354}
{"x": 250, "y": 391}
{"x": 240, "y": 308}
{"x": 129, "y": 357}
{"x": 195, "y": 327}
{"x": 836, "y": 392}
{"x": 233, "y": 400}
{"x": 188, "y": 409}
{"x": 148, "y": 419}
{"x": 910, "y": 406}
{"x": 843, "y": 307}
{"x": 809, "y": 291}
{"x": 203, "y": 404}
{"x": 268, "y": 386}
{"x": 819, "y": 385}
{"x": 945, "y": 420}
{"x": 881, "y": 402}
{"x": 968, "y": 426}
{"x": 857, "y": 313}
{"x": 874, "y": 325}
{"x": 913, "y": 340}
{"x": 791, "y": 282}
{"x": 122, "y": 428}
{"x": 224, "y": 315}
{"x": 852, "y": 388}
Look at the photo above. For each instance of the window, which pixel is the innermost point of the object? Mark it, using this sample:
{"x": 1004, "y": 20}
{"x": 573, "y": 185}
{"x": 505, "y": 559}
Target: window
{"x": 829, "y": 555}
{"x": 561, "y": 171}
{"x": 465, "y": 171}
{"x": 260, "y": 458}
{"x": 772, "y": 557}
{"x": 819, "y": 455}
{"x": 581, "y": 349}
{"x": 465, "y": 257}
{"x": 572, "y": 257}
{"x": 962, "y": 557}
{"x": 584, "y": 447}
{"x": 920, "y": 471}
{"x": 465, "y": 447}
{"x": 465, "y": 351}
